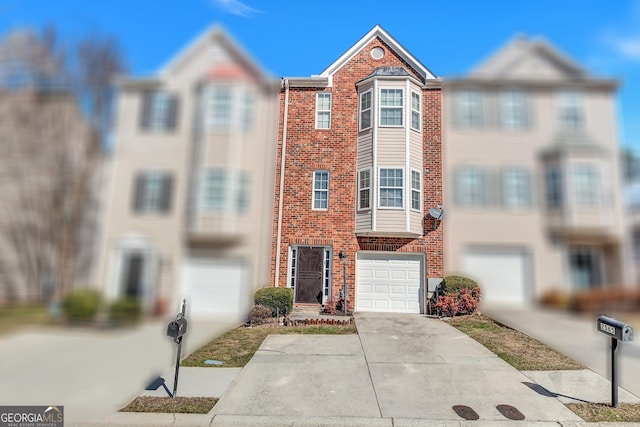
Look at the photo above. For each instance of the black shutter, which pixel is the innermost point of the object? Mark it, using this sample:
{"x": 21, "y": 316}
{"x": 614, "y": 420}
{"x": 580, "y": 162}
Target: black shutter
{"x": 138, "y": 192}
{"x": 172, "y": 113}
{"x": 145, "y": 111}
{"x": 167, "y": 189}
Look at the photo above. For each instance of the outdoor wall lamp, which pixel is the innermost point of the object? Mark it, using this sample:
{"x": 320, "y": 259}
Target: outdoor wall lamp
{"x": 343, "y": 257}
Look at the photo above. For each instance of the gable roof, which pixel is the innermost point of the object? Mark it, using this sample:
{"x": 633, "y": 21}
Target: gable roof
{"x": 379, "y": 32}
{"x": 519, "y": 49}
{"x": 215, "y": 34}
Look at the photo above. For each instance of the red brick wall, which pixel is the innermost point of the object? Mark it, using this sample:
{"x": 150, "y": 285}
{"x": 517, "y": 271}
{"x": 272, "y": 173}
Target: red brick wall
{"x": 335, "y": 150}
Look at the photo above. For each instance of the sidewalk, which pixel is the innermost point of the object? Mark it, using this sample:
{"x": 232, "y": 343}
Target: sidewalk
{"x": 400, "y": 370}
{"x": 575, "y": 336}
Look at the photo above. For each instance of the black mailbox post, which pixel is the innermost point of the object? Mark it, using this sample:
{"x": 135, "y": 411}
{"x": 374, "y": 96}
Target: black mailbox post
{"x": 617, "y": 331}
{"x": 176, "y": 330}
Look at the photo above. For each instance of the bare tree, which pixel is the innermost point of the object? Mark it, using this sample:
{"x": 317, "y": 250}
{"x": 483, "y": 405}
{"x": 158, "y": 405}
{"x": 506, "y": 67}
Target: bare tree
{"x": 51, "y": 150}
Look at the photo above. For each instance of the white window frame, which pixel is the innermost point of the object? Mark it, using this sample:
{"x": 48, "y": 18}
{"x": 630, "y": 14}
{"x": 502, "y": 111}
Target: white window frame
{"x": 417, "y": 112}
{"x": 586, "y": 185}
{"x": 571, "y": 112}
{"x": 383, "y": 107}
{"x": 554, "y": 187}
{"x": 467, "y": 106}
{"x": 517, "y": 188}
{"x": 417, "y": 191}
{"x": 361, "y": 189}
{"x": 471, "y": 186}
{"x": 323, "y": 111}
{"x": 514, "y": 109}
{"x": 219, "y": 187}
{"x": 401, "y": 188}
{"x": 320, "y": 190}
{"x": 365, "y": 110}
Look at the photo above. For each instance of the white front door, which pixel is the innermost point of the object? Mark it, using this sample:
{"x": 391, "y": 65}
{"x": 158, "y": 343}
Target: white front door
{"x": 389, "y": 283}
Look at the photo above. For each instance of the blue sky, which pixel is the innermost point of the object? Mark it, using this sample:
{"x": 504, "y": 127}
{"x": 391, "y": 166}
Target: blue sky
{"x": 300, "y": 38}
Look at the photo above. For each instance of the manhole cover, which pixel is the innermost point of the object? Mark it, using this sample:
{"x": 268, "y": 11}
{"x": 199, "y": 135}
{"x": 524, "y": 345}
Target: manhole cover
{"x": 465, "y": 412}
{"x": 510, "y": 412}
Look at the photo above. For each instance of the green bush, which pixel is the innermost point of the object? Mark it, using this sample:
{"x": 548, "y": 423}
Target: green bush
{"x": 81, "y": 305}
{"x": 280, "y": 299}
{"x": 125, "y": 310}
{"x": 453, "y": 284}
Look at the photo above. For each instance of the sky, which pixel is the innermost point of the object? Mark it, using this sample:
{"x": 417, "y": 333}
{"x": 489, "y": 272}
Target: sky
{"x": 301, "y": 38}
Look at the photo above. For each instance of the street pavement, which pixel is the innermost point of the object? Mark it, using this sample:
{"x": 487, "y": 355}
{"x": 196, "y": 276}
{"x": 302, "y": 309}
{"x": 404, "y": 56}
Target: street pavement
{"x": 400, "y": 370}
{"x": 577, "y": 337}
{"x": 92, "y": 373}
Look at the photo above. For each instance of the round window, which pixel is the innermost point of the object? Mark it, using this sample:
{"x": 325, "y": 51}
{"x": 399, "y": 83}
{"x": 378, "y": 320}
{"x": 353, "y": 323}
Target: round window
{"x": 377, "y": 53}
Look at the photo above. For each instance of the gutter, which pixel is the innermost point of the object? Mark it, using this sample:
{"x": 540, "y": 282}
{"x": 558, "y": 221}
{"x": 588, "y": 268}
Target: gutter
{"x": 285, "y": 82}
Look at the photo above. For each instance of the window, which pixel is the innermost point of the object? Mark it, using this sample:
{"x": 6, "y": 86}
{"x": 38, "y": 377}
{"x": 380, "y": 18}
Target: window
{"x": 468, "y": 109}
{"x": 391, "y": 107}
{"x": 229, "y": 105}
{"x": 416, "y": 190}
{"x": 513, "y": 110}
{"x": 321, "y": 190}
{"x": 516, "y": 188}
{"x": 152, "y": 193}
{"x": 365, "y": 110}
{"x": 553, "y": 181}
{"x": 571, "y": 113}
{"x": 323, "y": 110}
{"x": 219, "y": 107}
{"x": 248, "y": 112}
{"x": 364, "y": 189}
{"x": 586, "y": 185}
{"x": 415, "y": 111}
{"x": 216, "y": 191}
{"x": 159, "y": 111}
{"x": 471, "y": 186}
{"x": 292, "y": 284}
{"x": 391, "y": 188}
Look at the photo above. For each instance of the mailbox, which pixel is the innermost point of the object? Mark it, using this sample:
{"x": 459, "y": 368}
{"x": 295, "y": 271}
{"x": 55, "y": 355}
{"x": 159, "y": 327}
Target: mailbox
{"x": 177, "y": 328}
{"x": 614, "y": 328}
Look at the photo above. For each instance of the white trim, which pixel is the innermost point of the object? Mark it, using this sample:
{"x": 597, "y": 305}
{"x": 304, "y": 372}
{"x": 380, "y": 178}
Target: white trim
{"x": 374, "y": 162}
{"x": 370, "y": 109}
{"x": 378, "y": 31}
{"x": 401, "y": 107}
{"x": 324, "y": 111}
{"x": 313, "y": 189}
{"x": 360, "y": 208}
{"x": 403, "y": 187}
{"x": 420, "y": 192}
{"x": 419, "y": 110}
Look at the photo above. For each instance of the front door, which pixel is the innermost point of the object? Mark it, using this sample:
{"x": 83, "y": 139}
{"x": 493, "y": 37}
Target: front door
{"x": 309, "y": 275}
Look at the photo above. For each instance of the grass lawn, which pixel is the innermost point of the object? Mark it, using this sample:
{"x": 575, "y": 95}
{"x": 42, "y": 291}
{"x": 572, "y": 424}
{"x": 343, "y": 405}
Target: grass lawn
{"x": 519, "y": 350}
{"x": 236, "y": 347}
{"x": 15, "y": 317}
{"x": 182, "y": 405}
{"x": 526, "y": 354}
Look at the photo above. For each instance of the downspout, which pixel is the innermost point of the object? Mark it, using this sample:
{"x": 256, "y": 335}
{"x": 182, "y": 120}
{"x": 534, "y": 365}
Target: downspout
{"x": 281, "y": 192}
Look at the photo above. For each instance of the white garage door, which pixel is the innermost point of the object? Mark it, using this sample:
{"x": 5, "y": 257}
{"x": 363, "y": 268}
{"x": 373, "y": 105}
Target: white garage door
{"x": 388, "y": 283}
{"x": 215, "y": 287}
{"x": 503, "y": 274}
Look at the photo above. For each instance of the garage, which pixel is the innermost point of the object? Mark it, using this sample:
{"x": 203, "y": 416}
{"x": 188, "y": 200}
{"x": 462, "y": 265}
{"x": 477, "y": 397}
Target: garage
{"x": 216, "y": 287}
{"x": 504, "y": 274}
{"x": 389, "y": 283}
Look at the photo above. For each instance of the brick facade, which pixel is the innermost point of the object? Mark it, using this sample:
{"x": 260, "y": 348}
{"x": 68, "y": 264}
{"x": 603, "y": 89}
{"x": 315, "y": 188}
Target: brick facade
{"x": 335, "y": 149}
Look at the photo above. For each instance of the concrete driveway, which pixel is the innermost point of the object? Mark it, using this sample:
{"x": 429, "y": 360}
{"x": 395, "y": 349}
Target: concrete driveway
{"x": 91, "y": 373}
{"x": 577, "y": 337}
{"x": 398, "y": 369}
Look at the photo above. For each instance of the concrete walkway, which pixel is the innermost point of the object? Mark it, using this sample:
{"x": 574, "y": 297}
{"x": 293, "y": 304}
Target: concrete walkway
{"x": 575, "y": 336}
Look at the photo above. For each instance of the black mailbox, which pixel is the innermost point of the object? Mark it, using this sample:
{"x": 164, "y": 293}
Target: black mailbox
{"x": 614, "y": 328}
{"x": 177, "y": 328}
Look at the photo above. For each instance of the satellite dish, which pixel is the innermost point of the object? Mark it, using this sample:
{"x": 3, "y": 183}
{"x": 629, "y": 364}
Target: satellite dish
{"x": 436, "y": 212}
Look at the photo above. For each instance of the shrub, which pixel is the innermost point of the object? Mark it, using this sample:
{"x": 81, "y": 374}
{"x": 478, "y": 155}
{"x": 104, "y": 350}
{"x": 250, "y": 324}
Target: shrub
{"x": 452, "y": 284}
{"x": 556, "y": 298}
{"x": 260, "y": 314}
{"x": 279, "y": 300}
{"x": 337, "y": 307}
{"x": 126, "y": 310}
{"x": 465, "y": 301}
{"x": 81, "y": 305}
